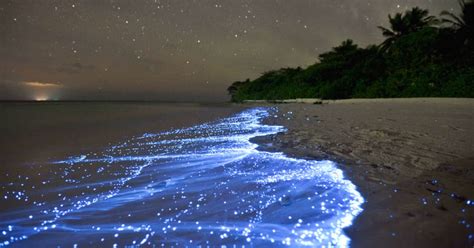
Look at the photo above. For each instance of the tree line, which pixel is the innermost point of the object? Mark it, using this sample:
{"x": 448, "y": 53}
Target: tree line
{"x": 421, "y": 56}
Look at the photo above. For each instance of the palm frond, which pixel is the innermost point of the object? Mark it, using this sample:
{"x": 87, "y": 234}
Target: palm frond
{"x": 431, "y": 20}
{"x": 457, "y": 19}
{"x": 444, "y": 20}
{"x": 386, "y": 32}
{"x": 385, "y": 46}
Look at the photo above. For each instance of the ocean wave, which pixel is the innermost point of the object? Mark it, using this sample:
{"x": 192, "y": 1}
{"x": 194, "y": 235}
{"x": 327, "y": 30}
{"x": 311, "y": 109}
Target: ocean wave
{"x": 206, "y": 185}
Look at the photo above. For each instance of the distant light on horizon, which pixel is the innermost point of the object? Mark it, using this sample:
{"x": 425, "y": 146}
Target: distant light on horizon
{"x": 41, "y": 98}
{"x": 43, "y": 91}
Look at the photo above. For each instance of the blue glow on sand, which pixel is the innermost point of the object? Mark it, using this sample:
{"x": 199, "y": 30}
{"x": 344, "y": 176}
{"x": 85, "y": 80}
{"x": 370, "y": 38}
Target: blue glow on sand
{"x": 205, "y": 185}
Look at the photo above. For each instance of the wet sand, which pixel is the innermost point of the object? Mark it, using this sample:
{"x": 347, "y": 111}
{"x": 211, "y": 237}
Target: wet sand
{"x": 412, "y": 160}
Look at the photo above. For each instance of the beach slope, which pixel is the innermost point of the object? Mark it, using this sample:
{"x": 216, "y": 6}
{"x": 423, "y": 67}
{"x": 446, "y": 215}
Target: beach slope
{"x": 412, "y": 159}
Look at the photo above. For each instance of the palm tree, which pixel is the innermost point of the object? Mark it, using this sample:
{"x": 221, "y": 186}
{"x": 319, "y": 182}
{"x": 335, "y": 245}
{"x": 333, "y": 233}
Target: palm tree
{"x": 419, "y": 18}
{"x": 402, "y": 24}
{"x": 464, "y": 23}
{"x": 398, "y": 28}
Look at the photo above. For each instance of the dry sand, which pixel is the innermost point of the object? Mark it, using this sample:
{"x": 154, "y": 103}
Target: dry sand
{"x": 412, "y": 159}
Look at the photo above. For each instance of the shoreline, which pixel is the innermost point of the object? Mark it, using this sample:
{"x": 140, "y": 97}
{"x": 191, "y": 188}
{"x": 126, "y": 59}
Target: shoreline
{"x": 411, "y": 159}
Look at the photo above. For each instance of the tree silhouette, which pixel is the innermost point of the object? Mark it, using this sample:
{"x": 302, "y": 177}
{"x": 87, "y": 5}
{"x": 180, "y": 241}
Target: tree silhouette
{"x": 231, "y": 90}
{"x": 402, "y": 24}
{"x": 464, "y": 23}
{"x": 346, "y": 48}
{"x": 423, "y": 60}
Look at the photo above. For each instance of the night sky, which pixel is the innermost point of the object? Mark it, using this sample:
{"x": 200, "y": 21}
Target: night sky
{"x": 176, "y": 50}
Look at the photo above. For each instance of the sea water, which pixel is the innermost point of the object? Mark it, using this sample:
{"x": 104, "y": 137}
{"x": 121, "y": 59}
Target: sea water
{"x": 205, "y": 185}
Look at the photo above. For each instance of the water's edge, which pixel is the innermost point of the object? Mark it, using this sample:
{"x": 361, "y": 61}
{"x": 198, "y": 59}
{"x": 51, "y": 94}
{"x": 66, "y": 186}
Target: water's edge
{"x": 271, "y": 143}
{"x": 209, "y": 179}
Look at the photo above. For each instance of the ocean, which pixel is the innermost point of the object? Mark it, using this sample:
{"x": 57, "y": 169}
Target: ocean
{"x": 202, "y": 184}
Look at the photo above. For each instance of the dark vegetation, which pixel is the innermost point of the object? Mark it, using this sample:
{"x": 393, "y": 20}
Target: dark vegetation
{"x": 422, "y": 56}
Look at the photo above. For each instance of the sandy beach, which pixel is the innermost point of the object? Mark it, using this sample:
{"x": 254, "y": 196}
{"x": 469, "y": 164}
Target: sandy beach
{"x": 412, "y": 159}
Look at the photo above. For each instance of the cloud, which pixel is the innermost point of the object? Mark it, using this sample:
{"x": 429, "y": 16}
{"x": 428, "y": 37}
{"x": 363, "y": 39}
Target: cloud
{"x": 74, "y": 68}
{"x": 43, "y": 84}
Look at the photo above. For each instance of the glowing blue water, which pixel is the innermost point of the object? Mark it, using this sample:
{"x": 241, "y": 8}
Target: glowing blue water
{"x": 205, "y": 185}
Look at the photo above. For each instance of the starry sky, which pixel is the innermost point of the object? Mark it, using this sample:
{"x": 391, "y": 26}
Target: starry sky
{"x": 173, "y": 50}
